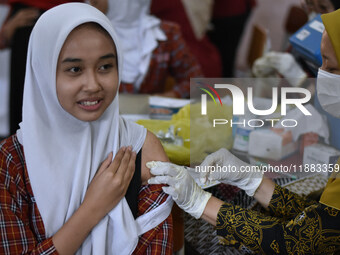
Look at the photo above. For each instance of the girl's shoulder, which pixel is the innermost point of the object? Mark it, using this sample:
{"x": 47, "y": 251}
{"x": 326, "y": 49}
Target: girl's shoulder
{"x": 152, "y": 151}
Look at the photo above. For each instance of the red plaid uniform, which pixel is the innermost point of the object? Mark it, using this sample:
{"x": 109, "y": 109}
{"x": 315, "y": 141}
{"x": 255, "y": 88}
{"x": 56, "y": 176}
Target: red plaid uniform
{"x": 160, "y": 239}
{"x": 21, "y": 227}
{"x": 172, "y": 58}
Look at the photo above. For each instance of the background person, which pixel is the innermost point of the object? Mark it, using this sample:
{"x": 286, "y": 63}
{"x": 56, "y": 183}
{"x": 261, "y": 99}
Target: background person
{"x": 197, "y": 40}
{"x": 15, "y": 34}
{"x": 229, "y": 19}
{"x": 22, "y": 18}
{"x": 321, "y": 6}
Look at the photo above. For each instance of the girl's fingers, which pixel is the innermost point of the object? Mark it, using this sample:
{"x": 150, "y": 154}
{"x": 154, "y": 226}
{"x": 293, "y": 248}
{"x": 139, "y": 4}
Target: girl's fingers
{"x": 117, "y": 160}
{"x": 106, "y": 163}
{"x": 130, "y": 170}
{"x": 124, "y": 163}
{"x": 108, "y": 160}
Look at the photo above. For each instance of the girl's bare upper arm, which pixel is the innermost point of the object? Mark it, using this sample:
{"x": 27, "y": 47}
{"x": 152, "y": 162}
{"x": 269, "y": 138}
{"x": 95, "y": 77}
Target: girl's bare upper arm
{"x": 152, "y": 151}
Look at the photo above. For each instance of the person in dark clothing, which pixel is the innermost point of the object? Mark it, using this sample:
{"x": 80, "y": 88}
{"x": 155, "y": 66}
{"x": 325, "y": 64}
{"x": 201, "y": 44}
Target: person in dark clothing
{"x": 17, "y": 40}
{"x": 229, "y": 20}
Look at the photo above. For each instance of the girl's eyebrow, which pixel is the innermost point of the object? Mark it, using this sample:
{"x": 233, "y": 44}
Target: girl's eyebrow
{"x": 73, "y": 60}
{"x": 110, "y": 55}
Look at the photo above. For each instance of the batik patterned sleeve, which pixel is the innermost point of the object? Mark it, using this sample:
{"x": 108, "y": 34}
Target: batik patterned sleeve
{"x": 19, "y": 226}
{"x": 158, "y": 240}
{"x": 314, "y": 229}
{"x": 285, "y": 204}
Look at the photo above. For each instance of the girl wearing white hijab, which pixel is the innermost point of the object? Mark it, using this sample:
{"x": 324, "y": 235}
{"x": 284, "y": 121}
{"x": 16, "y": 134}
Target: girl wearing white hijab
{"x": 59, "y": 197}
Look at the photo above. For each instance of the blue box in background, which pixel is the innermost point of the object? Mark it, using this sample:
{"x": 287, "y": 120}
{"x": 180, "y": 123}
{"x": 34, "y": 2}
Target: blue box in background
{"x": 306, "y": 41}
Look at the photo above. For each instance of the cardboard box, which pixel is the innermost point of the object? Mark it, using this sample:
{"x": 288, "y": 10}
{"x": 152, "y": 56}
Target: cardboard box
{"x": 319, "y": 157}
{"x": 306, "y": 41}
{"x": 270, "y": 144}
{"x": 164, "y": 107}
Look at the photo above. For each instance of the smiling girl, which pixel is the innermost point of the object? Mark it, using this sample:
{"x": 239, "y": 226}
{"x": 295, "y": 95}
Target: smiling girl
{"x": 60, "y": 190}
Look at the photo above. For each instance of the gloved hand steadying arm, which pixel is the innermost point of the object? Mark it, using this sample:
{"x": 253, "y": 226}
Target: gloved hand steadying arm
{"x": 182, "y": 187}
{"x": 230, "y": 170}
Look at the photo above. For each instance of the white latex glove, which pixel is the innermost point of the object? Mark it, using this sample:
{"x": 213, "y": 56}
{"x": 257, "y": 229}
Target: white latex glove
{"x": 182, "y": 187}
{"x": 249, "y": 181}
{"x": 286, "y": 65}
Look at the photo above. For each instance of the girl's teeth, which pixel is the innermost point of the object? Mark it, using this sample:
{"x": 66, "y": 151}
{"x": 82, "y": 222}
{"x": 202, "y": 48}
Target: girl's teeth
{"x": 88, "y": 103}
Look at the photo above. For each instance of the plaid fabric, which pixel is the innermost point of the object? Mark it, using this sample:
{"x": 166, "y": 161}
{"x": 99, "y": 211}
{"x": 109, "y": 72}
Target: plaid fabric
{"x": 160, "y": 239}
{"x": 172, "y": 58}
{"x": 21, "y": 227}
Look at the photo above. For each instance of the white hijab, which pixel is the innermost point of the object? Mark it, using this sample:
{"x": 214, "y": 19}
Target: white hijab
{"x": 139, "y": 33}
{"x": 63, "y": 153}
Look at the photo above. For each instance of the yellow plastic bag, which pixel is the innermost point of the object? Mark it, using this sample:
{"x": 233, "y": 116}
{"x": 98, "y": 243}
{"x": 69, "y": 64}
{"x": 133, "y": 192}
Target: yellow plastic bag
{"x": 205, "y": 138}
{"x": 200, "y": 139}
{"x": 181, "y": 122}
